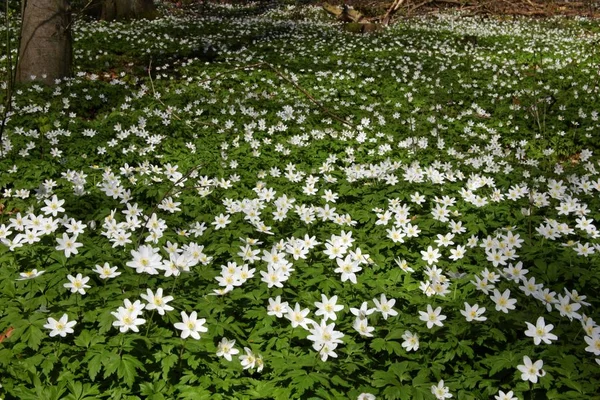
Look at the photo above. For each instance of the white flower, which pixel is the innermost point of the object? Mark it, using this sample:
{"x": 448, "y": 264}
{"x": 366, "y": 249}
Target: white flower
{"x": 277, "y": 308}
{"x": 431, "y": 255}
{"x": 505, "y": 396}
{"x": 60, "y": 327}
{"x": 503, "y": 301}
{"x": 473, "y": 313}
{"x": 77, "y": 283}
{"x": 260, "y": 364}
{"x": 325, "y": 339}
{"x": 403, "y": 265}
{"x": 566, "y": 308}
{"x": 221, "y": 221}
{"x": 106, "y": 271}
{"x": 146, "y": 259}
{"x": 531, "y": 371}
{"x": 274, "y": 276}
{"x": 593, "y": 341}
{"x": 440, "y": 391}
{"x": 68, "y": 244}
{"x": 540, "y": 332}
{"x": 169, "y": 205}
{"x": 328, "y": 307}
{"x": 432, "y": 317}
{"x": 366, "y": 396}
{"x": 191, "y": 325}
{"x": 384, "y": 306}
{"x": 75, "y": 227}
{"x": 458, "y": 253}
{"x": 248, "y": 360}
{"x": 411, "y": 341}
{"x": 133, "y": 308}
{"x": 156, "y": 301}
{"x": 363, "y": 311}
{"x": 34, "y": 273}
{"x": 127, "y": 319}
{"x": 298, "y": 316}
{"x": 362, "y": 327}
{"x": 225, "y": 348}
{"x": 53, "y": 206}
{"x": 347, "y": 267}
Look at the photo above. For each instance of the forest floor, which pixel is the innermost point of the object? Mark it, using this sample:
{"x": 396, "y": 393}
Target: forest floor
{"x": 533, "y": 8}
{"x": 250, "y": 202}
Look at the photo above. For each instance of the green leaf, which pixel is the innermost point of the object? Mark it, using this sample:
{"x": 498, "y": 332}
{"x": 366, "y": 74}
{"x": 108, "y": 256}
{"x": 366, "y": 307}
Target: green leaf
{"x": 5, "y": 356}
{"x": 401, "y": 370}
{"x": 76, "y": 389}
{"x": 572, "y": 384}
{"x": 377, "y": 344}
{"x": 111, "y": 362}
{"x": 394, "y": 347}
{"x": 146, "y": 389}
{"x": 127, "y": 369}
{"x": 396, "y": 392}
{"x": 167, "y": 363}
{"x": 94, "y": 366}
{"x": 503, "y": 361}
{"x": 383, "y": 378}
{"x": 48, "y": 364}
{"x": 193, "y": 362}
{"x": 105, "y": 321}
{"x": 422, "y": 378}
{"x": 395, "y": 333}
{"x": 33, "y": 336}
{"x": 195, "y": 393}
{"x": 464, "y": 347}
{"x": 84, "y": 338}
{"x": 552, "y": 271}
{"x": 188, "y": 377}
{"x": 153, "y": 391}
{"x": 303, "y": 383}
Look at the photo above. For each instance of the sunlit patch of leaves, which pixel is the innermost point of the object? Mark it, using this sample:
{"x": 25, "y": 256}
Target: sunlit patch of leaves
{"x": 401, "y": 253}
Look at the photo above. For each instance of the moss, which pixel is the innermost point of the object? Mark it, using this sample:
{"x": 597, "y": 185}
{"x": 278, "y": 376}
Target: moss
{"x": 353, "y": 27}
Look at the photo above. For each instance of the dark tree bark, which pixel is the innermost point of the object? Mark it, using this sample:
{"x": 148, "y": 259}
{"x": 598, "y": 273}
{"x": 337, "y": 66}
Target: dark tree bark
{"x": 127, "y": 9}
{"x": 46, "y": 47}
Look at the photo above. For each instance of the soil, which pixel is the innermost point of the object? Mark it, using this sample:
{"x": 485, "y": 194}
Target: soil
{"x": 533, "y": 8}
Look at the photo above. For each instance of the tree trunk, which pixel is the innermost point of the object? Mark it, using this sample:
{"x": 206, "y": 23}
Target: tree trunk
{"x": 127, "y": 9}
{"x": 46, "y": 46}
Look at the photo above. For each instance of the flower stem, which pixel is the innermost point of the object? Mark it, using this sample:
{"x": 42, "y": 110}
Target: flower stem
{"x": 121, "y": 345}
{"x": 149, "y": 323}
{"x": 181, "y": 353}
{"x": 175, "y": 283}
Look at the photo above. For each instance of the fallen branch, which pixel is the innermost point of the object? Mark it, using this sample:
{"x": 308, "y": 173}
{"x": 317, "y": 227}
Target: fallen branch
{"x": 344, "y": 13}
{"x": 170, "y": 111}
{"x": 416, "y": 7}
{"x": 252, "y": 66}
{"x": 456, "y": 2}
{"x": 311, "y": 98}
{"x": 489, "y": 7}
{"x": 391, "y": 11}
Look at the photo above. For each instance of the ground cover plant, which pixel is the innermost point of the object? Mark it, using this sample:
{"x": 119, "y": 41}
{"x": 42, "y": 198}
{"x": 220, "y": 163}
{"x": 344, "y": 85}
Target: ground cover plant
{"x": 227, "y": 202}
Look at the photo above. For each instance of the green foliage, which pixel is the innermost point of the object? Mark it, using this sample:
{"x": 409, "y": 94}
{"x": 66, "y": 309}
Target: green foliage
{"x": 213, "y": 138}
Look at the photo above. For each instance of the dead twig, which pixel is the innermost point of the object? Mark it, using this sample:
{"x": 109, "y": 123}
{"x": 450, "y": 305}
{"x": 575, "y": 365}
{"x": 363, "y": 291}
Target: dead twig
{"x": 391, "y": 11}
{"x": 309, "y": 96}
{"x": 7, "y": 334}
{"x": 169, "y": 109}
{"x": 416, "y": 7}
{"x": 285, "y": 78}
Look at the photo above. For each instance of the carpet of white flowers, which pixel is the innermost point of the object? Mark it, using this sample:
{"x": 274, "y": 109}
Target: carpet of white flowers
{"x": 231, "y": 203}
